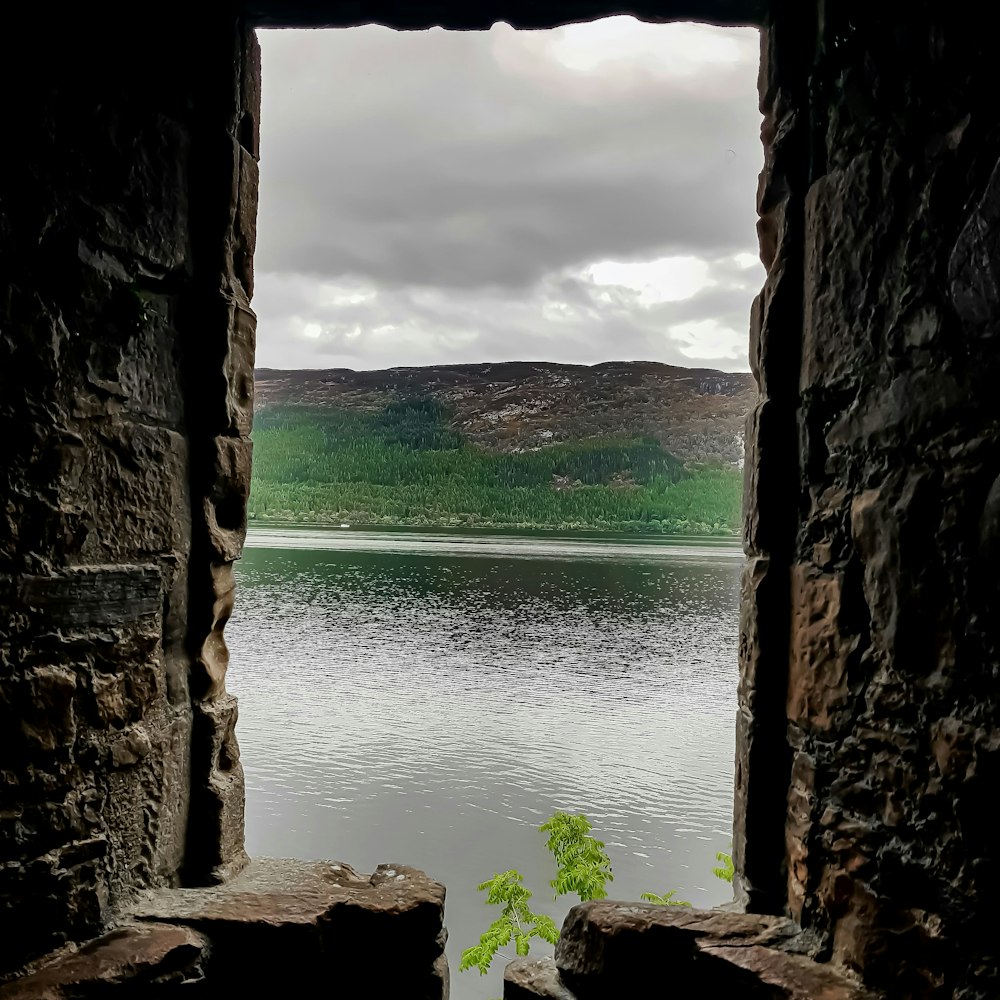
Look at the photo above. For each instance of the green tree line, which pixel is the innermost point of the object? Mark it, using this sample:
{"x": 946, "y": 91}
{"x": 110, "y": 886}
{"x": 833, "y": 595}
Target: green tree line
{"x": 404, "y": 465}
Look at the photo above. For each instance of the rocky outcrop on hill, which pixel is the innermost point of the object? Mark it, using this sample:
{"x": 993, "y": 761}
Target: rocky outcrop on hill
{"x": 697, "y": 414}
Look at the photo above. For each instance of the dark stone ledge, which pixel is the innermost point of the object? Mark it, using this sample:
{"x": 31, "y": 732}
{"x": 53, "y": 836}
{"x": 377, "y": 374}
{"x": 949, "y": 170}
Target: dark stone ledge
{"x": 310, "y": 927}
{"x": 635, "y": 949}
{"x": 283, "y": 923}
{"x": 148, "y": 960}
{"x": 528, "y": 978}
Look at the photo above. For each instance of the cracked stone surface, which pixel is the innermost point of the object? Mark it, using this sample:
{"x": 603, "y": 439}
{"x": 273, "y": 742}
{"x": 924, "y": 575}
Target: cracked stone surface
{"x": 145, "y": 960}
{"x": 633, "y": 949}
{"x": 302, "y": 918}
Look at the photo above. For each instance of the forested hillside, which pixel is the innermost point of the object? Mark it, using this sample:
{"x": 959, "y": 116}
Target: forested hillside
{"x": 406, "y": 464}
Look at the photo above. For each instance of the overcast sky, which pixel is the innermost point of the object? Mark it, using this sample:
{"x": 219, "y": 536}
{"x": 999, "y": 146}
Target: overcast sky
{"x": 581, "y": 195}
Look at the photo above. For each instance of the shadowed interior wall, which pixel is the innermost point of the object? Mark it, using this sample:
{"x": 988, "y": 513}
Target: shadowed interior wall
{"x": 869, "y": 660}
{"x": 127, "y": 210}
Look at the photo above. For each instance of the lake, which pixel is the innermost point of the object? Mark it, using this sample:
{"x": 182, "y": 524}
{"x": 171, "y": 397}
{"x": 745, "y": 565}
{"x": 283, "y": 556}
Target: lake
{"x": 429, "y": 698}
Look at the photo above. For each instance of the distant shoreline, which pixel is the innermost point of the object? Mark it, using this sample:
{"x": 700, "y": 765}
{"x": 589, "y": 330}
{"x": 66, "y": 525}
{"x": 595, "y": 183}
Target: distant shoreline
{"x": 500, "y": 530}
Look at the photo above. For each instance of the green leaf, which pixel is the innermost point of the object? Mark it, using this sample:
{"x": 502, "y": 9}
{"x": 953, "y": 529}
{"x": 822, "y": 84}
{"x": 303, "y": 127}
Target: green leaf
{"x": 546, "y": 929}
{"x": 726, "y": 871}
{"x": 582, "y": 865}
{"x": 516, "y": 922}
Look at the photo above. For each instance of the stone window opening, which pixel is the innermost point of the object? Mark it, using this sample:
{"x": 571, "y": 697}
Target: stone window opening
{"x": 685, "y": 854}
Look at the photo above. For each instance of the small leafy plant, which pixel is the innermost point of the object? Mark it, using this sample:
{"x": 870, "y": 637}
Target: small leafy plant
{"x": 582, "y": 868}
{"x": 582, "y": 864}
{"x": 516, "y": 922}
{"x": 726, "y": 871}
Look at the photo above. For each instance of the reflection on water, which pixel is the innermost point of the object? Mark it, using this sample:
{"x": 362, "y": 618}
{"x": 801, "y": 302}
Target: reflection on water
{"x": 430, "y": 699}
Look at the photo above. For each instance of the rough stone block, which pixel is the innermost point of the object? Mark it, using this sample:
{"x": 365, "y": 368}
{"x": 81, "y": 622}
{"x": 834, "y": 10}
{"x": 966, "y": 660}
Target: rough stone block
{"x": 525, "y": 978}
{"x": 133, "y": 496}
{"x": 148, "y": 223}
{"x": 303, "y": 922}
{"x": 798, "y": 828}
{"x": 226, "y": 506}
{"x": 224, "y": 328}
{"x": 87, "y": 595}
{"x": 624, "y": 949}
{"x": 67, "y": 900}
{"x": 972, "y": 267}
{"x": 245, "y": 235}
{"x": 144, "y": 960}
{"x": 783, "y": 976}
{"x": 213, "y": 658}
{"x": 242, "y": 350}
{"x": 818, "y": 688}
{"x": 135, "y": 375}
{"x": 215, "y": 827}
{"x": 777, "y": 317}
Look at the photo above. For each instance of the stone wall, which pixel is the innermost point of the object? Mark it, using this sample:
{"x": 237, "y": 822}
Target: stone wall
{"x": 127, "y": 208}
{"x": 869, "y": 651}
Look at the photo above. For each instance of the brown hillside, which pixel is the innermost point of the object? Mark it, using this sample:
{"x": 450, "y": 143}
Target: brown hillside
{"x": 696, "y": 413}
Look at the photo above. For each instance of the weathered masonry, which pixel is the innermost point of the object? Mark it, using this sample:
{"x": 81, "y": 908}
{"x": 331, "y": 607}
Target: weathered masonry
{"x": 868, "y": 743}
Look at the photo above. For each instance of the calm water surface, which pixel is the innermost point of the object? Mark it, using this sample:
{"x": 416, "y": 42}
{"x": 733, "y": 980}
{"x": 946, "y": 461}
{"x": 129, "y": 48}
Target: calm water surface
{"x": 429, "y": 699}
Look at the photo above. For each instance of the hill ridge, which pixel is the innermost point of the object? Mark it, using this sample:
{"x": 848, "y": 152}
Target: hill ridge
{"x": 697, "y": 414}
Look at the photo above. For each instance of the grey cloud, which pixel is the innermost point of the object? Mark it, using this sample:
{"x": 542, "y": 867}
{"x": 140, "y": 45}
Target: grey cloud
{"x": 417, "y": 159}
{"x": 483, "y": 240}
{"x": 462, "y": 189}
{"x": 728, "y": 309}
{"x": 411, "y": 326}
